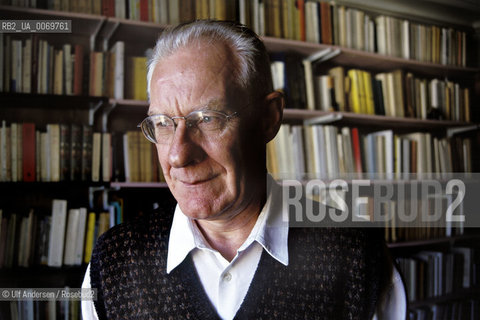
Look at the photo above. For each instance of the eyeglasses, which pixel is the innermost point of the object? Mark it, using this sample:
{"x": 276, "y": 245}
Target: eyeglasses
{"x": 160, "y": 128}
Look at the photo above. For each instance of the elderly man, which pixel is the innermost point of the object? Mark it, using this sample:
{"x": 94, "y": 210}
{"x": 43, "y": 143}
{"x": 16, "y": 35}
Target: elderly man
{"x": 228, "y": 251}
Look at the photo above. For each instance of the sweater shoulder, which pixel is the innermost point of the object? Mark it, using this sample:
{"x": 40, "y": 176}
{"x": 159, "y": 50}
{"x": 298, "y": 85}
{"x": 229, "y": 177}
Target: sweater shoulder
{"x": 133, "y": 238}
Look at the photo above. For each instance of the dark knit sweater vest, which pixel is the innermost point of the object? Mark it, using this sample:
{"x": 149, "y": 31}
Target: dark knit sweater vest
{"x": 332, "y": 274}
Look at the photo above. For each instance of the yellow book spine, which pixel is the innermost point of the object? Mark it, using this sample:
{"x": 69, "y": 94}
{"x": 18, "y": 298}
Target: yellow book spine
{"x": 367, "y": 80}
{"x": 354, "y": 91}
{"x": 140, "y": 78}
{"x": 89, "y": 237}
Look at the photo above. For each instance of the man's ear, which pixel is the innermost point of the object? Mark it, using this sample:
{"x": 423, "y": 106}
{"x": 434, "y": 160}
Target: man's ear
{"x": 273, "y": 114}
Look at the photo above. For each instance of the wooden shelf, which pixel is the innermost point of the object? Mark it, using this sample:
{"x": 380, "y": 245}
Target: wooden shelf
{"x": 368, "y": 60}
{"x": 348, "y": 118}
{"x": 129, "y": 102}
{"x": 82, "y": 23}
{"x": 376, "y": 121}
{"x": 147, "y": 32}
{"x": 49, "y": 101}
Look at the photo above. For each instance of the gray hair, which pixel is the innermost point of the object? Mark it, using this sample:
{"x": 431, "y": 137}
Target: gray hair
{"x": 252, "y": 66}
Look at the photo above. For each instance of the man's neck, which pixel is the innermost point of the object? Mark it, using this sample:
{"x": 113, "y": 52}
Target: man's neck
{"x": 226, "y": 236}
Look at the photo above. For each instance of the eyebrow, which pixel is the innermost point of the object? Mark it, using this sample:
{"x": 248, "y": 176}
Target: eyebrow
{"x": 214, "y": 105}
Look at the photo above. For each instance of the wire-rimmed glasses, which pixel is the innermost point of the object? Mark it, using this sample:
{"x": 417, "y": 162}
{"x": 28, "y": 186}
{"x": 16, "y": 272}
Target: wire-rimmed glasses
{"x": 160, "y": 128}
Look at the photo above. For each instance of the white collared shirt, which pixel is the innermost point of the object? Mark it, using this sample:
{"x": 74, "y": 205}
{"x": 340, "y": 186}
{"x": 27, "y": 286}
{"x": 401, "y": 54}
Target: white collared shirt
{"x": 226, "y": 283}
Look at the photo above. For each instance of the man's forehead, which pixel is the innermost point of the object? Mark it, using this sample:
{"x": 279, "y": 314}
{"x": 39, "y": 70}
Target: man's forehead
{"x": 215, "y": 104}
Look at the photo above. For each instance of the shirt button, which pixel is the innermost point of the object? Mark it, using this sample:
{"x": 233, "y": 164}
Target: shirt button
{"x": 227, "y": 276}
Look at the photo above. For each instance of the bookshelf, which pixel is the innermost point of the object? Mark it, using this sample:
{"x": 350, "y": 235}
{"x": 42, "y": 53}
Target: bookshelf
{"x": 99, "y": 33}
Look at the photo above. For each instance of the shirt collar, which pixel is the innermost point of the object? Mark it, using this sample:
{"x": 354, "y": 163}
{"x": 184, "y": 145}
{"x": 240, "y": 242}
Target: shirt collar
{"x": 270, "y": 230}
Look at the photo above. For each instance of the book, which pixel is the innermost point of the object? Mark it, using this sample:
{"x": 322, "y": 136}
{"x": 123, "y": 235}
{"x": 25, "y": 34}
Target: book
{"x": 78, "y": 66}
{"x": 106, "y": 157}
{"x": 57, "y": 233}
{"x": 13, "y": 151}
{"x": 97, "y": 76}
{"x": 87, "y": 145}
{"x": 58, "y": 79}
{"x": 89, "y": 237}
{"x": 118, "y": 52}
{"x": 76, "y": 152}
{"x": 27, "y": 67}
{"x": 65, "y": 152}
{"x": 53, "y": 132}
{"x": 80, "y": 236}
{"x": 71, "y": 237}
{"x": 68, "y": 69}
{"x": 96, "y": 156}
{"x": 137, "y": 78}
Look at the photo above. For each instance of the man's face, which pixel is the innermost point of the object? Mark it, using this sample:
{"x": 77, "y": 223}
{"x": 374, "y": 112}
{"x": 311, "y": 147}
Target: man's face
{"x": 211, "y": 178}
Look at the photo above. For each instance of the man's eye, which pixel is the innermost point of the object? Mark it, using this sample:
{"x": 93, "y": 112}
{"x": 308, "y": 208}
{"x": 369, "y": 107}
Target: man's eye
{"x": 206, "y": 119}
{"x": 162, "y": 124}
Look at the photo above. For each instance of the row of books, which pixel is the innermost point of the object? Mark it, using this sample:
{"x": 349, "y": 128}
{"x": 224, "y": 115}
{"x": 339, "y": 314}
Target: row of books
{"x": 66, "y": 236}
{"x": 36, "y": 309}
{"x": 60, "y": 153}
{"x": 158, "y": 11}
{"x": 116, "y": 76}
{"x": 400, "y": 228}
{"x": 33, "y": 65}
{"x": 140, "y": 159}
{"x": 72, "y": 152}
{"x": 396, "y": 93}
{"x": 330, "y": 23}
{"x": 430, "y": 274}
{"x": 306, "y": 20}
{"x": 326, "y": 151}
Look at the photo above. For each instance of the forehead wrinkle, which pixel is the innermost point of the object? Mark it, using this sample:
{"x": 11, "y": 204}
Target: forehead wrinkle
{"x": 221, "y": 72}
{"x": 214, "y": 104}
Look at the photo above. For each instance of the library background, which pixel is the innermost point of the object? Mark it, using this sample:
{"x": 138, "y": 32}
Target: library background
{"x": 391, "y": 87}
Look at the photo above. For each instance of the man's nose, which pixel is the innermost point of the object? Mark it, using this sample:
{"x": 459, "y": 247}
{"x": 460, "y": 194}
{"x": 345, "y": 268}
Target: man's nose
{"x": 183, "y": 149}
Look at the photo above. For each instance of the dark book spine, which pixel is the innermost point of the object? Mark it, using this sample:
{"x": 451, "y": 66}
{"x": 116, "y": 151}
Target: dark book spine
{"x": 65, "y": 150}
{"x": 75, "y": 152}
{"x": 87, "y": 137}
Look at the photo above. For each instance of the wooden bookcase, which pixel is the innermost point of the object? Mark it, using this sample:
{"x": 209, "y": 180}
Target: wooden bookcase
{"x": 99, "y": 33}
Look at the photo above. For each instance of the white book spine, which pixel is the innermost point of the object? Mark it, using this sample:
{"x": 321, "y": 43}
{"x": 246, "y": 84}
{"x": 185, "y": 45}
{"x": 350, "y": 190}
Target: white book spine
{"x": 173, "y": 12}
{"x": 405, "y": 39}
{"x": 307, "y": 65}
{"x": 57, "y": 233}
{"x": 79, "y": 242}
{"x": 261, "y": 15}
{"x": 119, "y": 51}
{"x": 71, "y": 236}
{"x": 298, "y": 150}
{"x": 163, "y": 10}
{"x": 242, "y": 11}
{"x": 322, "y": 153}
